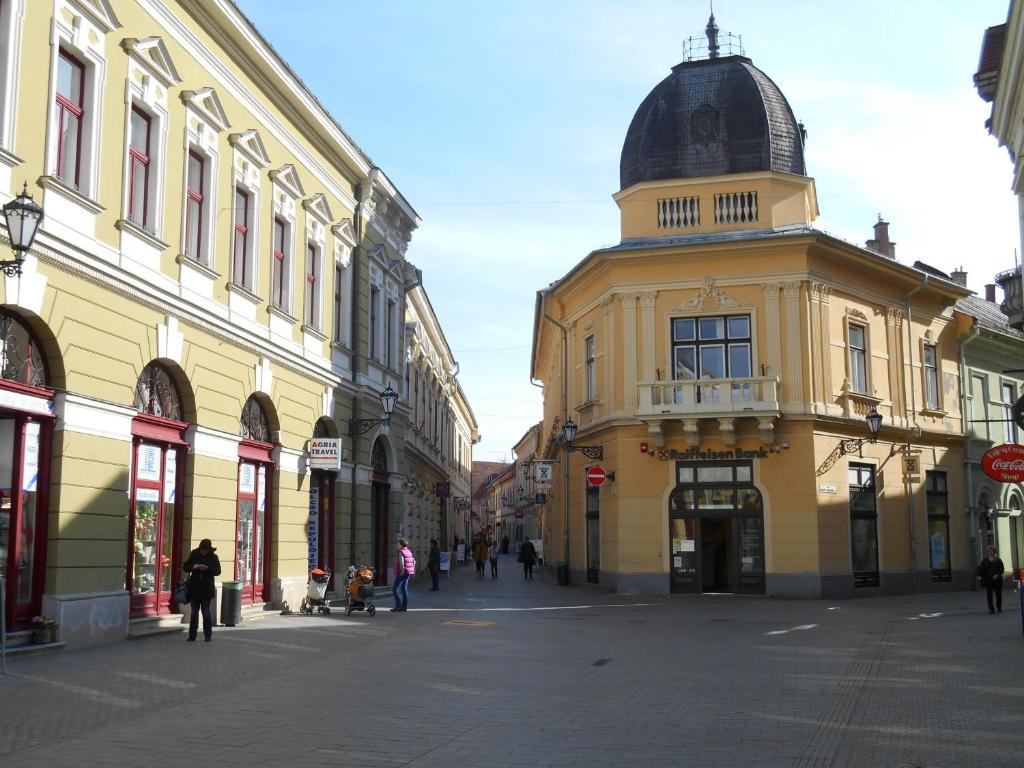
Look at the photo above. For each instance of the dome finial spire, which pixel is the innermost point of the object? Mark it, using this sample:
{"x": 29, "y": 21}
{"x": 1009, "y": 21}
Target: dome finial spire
{"x": 712, "y": 33}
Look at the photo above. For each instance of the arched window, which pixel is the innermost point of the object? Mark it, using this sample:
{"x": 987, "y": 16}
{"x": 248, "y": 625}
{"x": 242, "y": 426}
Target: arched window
{"x": 322, "y": 428}
{"x": 156, "y": 393}
{"x": 20, "y": 357}
{"x": 254, "y": 425}
{"x": 379, "y": 458}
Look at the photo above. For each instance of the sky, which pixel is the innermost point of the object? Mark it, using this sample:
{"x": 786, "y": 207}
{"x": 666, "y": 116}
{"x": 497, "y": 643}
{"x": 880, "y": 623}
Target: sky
{"x": 502, "y": 122}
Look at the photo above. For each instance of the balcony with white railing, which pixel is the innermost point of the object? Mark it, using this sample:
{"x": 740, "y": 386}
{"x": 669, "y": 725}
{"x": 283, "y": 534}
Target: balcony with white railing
{"x": 708, "y": 397}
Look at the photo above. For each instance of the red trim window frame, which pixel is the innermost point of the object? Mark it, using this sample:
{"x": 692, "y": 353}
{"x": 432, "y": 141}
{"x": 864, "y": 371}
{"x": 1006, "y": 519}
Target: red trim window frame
{"x": 240, "y": 253}
{"x": 195, "y": 180}
{"x": 138, "y": 166}
{"x": 255, "y": 483}
{"x": 70, "y": 106}
{"x": 279, "y": 265}
{"x": 312, "y": 287}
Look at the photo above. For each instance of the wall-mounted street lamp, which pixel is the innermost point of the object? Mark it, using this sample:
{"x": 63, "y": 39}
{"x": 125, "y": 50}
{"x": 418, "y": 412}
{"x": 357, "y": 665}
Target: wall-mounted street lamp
{"x": 23, "y": 217}
{"x": 388, "y": 400}
{"x": 595, "y": 452}
{"x": 853, "y": 444}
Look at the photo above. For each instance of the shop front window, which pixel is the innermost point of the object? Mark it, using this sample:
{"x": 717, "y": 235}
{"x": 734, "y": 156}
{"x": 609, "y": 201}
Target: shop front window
{"x": 938, "y": 525}
{"x": 863, "y": 525}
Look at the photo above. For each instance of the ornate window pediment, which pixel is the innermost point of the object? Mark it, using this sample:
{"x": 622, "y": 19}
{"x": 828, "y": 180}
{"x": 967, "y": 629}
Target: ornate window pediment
{"x": 288, "y": 178}
{"x": 710, "y": 297}
{"x": 249, "y": 143}
{"x": 344, "y": 231}
{"x": 317, "y": 206}
{"x": 207, "y": 104}
{"x": 153, "y": 55}
{"x": 100, "y": 12}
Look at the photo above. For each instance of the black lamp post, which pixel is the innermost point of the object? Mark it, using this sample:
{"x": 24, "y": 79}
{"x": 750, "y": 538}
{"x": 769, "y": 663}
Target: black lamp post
{"x": 570, "y": 429}
{"x": 23, "y": 217}
{"x": 388, "y": 400}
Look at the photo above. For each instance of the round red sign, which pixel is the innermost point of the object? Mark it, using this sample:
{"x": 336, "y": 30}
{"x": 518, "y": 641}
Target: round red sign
{"x": 596, "y": 475}
{"x": 1004, "y": 463}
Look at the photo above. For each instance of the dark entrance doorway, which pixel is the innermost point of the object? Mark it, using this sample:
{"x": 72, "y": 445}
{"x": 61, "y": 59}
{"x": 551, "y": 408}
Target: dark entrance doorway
{"x": 716, "y": 529}
{"x": 380, "y": 500}
{"x": 717, "y": 557}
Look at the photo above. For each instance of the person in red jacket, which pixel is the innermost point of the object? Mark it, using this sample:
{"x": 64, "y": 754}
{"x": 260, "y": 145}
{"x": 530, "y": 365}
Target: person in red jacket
{"x": 405, "y": 567}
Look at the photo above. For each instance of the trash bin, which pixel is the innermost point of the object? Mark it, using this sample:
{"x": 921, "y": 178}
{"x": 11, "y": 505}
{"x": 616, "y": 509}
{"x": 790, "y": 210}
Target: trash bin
{"x": 231, "y": 603}
{"x": 563, "y": 574}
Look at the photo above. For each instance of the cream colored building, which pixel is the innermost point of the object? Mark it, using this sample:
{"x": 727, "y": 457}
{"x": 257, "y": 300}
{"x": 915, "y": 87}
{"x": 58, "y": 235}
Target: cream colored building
{"x": 723, "y": 358}
{"x": 219, "y": 278}
{"x": 441, "y": 434}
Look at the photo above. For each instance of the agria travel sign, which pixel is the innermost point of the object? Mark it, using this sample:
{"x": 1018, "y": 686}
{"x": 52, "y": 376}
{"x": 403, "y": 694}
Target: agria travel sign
{"x": 1004, "y": 463}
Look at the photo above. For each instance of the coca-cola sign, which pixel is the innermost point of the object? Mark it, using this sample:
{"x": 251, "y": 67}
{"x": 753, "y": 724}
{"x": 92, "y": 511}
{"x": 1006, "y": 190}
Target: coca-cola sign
{"x": 1004, "y": 463}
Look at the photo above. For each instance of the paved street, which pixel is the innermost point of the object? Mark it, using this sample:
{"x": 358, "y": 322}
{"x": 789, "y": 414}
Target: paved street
{"x": 507, "y": 673}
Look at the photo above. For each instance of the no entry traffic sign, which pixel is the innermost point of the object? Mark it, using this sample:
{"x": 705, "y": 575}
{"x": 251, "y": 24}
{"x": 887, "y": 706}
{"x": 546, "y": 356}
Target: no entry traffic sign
{"x": 596, "y": 475}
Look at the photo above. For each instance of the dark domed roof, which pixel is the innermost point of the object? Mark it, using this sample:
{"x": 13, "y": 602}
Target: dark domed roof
{"x": 708, "y": 118}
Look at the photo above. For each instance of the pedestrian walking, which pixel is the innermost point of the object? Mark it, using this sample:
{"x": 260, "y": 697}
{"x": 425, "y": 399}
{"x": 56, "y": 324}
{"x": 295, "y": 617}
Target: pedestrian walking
{"x": 527, "y": 556}
{"x": 480, "y": 556}
{"x": 991, "y": 574}
{"x": 405, "y": 567}
{"x": 434, "y": 564}
{"x": 492, "y": 555}
{"x": 504, "y": 545}
{"x": 202, "y": 567}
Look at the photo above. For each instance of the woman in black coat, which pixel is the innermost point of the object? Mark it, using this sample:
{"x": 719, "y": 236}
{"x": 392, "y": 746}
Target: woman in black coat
{"x": 991, "y": 573}
{"x": 202, "y": 566}
{"x": 527, "y": 556}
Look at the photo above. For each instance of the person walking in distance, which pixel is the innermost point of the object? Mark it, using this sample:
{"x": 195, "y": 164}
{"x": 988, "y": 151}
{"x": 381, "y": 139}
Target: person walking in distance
{"x": 527, "y": 556}
{"x": 202, "y": 567}
{"x": 991, "y": 574}
{"x": 480, "y": 557}
{"x": 434, "y": 564}
{"x": 405, "y": 567}
{"x": 492, "y": 555}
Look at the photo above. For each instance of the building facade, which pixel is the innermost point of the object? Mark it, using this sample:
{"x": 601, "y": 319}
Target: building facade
{"x": 441, "y": 434}
{"x": 220, "y": 277}
{"x": 722, "y": 359}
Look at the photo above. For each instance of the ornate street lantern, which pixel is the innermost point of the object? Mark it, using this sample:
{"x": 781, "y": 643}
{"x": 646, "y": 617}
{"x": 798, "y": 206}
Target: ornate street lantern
{"x": 23, "y": 217}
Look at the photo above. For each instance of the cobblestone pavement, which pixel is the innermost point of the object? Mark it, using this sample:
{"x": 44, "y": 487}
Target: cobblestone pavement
{"x": 512, "y": 674}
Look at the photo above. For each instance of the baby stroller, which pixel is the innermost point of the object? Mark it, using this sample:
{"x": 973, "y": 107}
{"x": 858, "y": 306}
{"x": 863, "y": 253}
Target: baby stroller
{"x": 316, "y": 593}
{"x": 359, "y": 589}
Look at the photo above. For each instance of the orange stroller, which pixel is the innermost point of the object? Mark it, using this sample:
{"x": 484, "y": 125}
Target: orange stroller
{"x": 359, "y": 590}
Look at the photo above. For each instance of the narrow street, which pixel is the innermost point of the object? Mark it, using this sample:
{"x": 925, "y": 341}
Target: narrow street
{"x": 504, "y": 673}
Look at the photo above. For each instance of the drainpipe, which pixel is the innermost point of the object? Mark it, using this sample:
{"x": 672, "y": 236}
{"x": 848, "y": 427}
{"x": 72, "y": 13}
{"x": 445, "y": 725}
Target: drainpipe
{"x": 972, "y": 512}
{"x": 565, "y": 460}
{"x": 917, "y": 430}
{"x": 357, "y": 231}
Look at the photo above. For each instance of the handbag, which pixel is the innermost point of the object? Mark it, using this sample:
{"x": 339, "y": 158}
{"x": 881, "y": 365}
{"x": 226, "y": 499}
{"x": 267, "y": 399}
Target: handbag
{"x": 181, "y": 595}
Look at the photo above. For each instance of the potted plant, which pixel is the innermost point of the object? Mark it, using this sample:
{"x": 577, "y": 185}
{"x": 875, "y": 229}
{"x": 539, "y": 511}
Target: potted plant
{"x": 44, "y": 629}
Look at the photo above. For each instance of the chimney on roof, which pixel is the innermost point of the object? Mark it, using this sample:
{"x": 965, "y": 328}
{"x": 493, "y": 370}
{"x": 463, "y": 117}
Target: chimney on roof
{"x": 990, "y": 292}
{"x": 959, "y": 276}
{"x": 881, "y": 243}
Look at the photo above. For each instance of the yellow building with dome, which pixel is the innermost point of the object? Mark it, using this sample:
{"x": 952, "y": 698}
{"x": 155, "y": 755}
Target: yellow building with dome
{"x": 721, "y": 362}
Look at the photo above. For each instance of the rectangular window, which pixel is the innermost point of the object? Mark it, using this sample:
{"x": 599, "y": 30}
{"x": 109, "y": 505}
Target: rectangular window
{"x": 389, "y": 332}
{"x": 138, "y": 168}
{"x": 374, "y": 323}
{"x": 312, "y": 288}
{"x": 279, "y": 265}
{"x": 194, "y": 208}
{"x": 711, "y": 348}
{"x": 1007, "y": 396}
{"x": 931, "y": 377}
{"x": 863, "y": 525}
{"x": 70, "y": 116}
{"x": 339, "y": 275}
{"x": 590, "y": 382}
{"x": 979, "y": 408}
{"x": 858, "y": 359}
{"x": 938, "y": 525}
{"x": 241, "y": 266}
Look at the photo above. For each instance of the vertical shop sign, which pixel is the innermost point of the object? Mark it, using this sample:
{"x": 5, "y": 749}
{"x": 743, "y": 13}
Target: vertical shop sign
{"x": 313, "y": 527}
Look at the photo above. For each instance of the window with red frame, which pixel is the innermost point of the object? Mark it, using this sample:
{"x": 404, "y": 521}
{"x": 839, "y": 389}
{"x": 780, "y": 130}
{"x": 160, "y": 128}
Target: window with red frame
{"x": 339, "y": 274}
{"x": 312, "y": 318}
{"x": 278, "y": 281}
{"x": 138, "y": 168}
{"x": 70, "y": 115}
{"x": 241, "y": 268}
{"x": 194, "y": 209}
